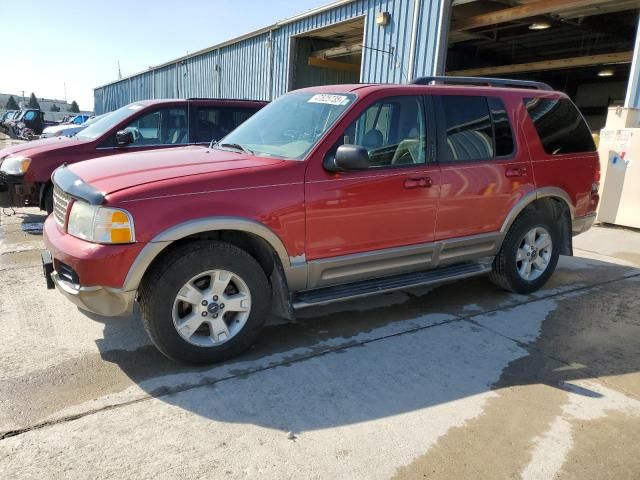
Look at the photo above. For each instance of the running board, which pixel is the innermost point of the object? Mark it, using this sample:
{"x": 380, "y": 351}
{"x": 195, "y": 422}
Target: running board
{"x": 349, "y": 291}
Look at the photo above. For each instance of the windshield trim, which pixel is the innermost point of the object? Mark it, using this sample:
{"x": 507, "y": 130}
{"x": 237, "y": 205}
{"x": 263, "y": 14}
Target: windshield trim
{"x": 320, "y": 139}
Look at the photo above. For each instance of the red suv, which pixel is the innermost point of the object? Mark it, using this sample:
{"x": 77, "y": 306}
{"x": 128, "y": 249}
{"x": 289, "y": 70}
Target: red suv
{"x": 327, "y": 194}
{"x": 25, "y": 170}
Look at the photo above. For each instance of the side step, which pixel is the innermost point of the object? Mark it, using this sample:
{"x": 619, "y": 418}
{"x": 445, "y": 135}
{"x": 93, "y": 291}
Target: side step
{"x": 348, "y": 291}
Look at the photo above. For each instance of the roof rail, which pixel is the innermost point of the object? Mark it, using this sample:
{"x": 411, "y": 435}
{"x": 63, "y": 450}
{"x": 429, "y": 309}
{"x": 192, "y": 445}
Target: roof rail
{"x": 491, "y": 82}
{"x": 228, "y": 99}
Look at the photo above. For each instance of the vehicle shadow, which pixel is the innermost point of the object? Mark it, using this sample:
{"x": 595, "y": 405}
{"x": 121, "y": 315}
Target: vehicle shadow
{"x": 396, "y": 353}
{"x": 30, "y": 220}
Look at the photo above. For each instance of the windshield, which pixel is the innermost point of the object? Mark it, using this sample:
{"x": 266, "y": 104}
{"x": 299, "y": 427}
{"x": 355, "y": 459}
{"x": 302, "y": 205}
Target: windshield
{"x": 105, "y": 123}
{"x": 290, "y": 126}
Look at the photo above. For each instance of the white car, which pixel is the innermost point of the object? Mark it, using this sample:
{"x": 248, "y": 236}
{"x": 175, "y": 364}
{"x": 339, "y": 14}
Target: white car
{"x": 67, "y": 129}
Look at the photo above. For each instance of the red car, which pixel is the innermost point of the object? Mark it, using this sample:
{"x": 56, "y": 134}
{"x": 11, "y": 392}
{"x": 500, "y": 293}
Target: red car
{"x": 326, "y": 194}
{"x": 25, "y": 170}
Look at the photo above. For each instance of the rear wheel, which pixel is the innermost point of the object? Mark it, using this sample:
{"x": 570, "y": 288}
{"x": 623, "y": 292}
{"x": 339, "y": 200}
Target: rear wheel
{"x": 204, "y": 302}
{"x": 529, "y": 253}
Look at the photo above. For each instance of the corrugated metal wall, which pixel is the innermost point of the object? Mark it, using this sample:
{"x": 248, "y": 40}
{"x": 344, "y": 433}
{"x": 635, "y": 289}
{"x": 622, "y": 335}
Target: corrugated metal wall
{"x": 632, "y": 99}
{"x": 242, "y": 69}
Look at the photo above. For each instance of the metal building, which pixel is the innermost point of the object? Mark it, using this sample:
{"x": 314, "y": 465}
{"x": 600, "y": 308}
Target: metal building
{"x": 587, "y": 48}
{"x": 396, "y": 40}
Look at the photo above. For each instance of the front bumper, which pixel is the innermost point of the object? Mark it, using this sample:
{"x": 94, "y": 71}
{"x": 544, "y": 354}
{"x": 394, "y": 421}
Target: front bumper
{"x": 582, "y": 224}
{"x": 90, "y": 275}
{"x": 105, "y": 301}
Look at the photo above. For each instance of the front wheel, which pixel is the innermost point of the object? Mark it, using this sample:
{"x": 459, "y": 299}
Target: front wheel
{"x": 529, "y": 253}
{"x": 204, "y": 302}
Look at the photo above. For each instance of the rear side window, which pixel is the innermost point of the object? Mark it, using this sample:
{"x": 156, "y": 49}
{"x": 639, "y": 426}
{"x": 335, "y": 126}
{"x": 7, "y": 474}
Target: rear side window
{"x": 468, "y": 128}
{"x": 560, "y": 126}
{"x": 213, "y": 123}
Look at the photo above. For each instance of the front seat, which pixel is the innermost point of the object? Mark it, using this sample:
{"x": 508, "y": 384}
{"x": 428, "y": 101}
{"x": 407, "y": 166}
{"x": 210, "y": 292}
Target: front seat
{"x": 408, "y": 151}
{"x": 372, "y": 139}
{"x": 177, "y": 132}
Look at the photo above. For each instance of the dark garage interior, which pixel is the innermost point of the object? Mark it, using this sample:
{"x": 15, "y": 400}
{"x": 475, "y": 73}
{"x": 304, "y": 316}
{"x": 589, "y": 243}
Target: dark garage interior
{"x": 582, "y": 48}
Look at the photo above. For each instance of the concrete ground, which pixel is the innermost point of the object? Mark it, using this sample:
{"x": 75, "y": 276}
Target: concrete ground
{"x": 459, "y": 382}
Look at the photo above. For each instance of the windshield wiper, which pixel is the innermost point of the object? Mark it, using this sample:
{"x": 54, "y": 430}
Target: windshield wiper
{"x": 235, "y": 146}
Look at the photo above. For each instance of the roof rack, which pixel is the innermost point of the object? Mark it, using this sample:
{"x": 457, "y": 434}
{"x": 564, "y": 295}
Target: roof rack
{"x": 491, "y": 82}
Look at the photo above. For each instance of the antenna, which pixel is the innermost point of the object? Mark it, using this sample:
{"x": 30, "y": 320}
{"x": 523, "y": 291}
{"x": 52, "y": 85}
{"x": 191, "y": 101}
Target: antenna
{"x": 119, "y": 71}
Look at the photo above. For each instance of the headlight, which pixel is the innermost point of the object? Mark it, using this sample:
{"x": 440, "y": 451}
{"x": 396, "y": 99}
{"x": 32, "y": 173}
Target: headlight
{"x": 100, "y": 224}
{"x": 17, "y": 165}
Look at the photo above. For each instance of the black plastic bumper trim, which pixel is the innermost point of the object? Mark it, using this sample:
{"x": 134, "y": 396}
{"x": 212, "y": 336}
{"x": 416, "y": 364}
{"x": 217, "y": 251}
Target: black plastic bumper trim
{"x": 73, "y": 185}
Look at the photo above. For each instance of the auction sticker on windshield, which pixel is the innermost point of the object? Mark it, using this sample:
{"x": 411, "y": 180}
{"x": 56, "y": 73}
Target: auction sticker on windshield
{"x": 329, "y": 99}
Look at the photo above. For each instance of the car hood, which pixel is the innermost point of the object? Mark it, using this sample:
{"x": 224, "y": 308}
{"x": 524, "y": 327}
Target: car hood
{"x": 118, "y": 172}
{"x": 37, "y": 147}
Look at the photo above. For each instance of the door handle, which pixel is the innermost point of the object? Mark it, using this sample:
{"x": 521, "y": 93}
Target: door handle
{"x": 512, "y": 172}
{"x": 418, "y": 182}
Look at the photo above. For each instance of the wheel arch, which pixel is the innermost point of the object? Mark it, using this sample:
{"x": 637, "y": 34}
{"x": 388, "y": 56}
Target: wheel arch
{"x": 553, "y": 199}
{"x": 239, "y": 231}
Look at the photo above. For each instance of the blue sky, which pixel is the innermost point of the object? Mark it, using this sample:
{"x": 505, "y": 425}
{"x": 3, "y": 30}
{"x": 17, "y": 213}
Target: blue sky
{"x": 47, "y": 44}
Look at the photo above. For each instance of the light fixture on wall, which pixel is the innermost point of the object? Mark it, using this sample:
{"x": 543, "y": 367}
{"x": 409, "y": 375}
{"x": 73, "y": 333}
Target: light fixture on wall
{"x": 539, "y": 26}
{"x": 607, "y": 72}
{"x": 382, "y": 18}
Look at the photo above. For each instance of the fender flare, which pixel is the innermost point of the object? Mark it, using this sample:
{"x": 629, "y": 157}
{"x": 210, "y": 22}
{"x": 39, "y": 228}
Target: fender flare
{"x": 524, "y": 202}
{"x": 177, "y": 232}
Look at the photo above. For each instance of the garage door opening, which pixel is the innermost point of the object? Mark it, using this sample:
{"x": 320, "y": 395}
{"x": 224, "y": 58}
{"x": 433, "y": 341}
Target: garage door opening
{"x": 582, "y": 48}
{"x": 327, "y": 56}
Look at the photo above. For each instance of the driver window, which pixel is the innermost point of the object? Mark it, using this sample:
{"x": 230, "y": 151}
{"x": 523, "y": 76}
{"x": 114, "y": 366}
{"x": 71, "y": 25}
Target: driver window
{"x": 160, "y": 127}
{"x": 392, "y": 130}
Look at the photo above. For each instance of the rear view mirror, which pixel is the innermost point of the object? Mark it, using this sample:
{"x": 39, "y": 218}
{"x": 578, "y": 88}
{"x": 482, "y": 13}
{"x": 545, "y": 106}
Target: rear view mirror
{"x": 124, "y": 138}
{"x": 348, "y": 157}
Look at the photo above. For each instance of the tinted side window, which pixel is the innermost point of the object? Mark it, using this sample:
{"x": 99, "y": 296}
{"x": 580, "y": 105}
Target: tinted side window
{"x": 468, "y": 129}
{"x": 501, "y": 128}
{"x": 392, "y": 130}
{"x": 213, "y": 123}
{"x": 560, "y": 126}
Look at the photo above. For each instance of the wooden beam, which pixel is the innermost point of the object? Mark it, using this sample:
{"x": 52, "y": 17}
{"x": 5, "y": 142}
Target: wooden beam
{"x": 339, "y": 51}
{"x": 542, "y": 7}
{"x": 323, "y": 63}
{"x": 590, "y": 60}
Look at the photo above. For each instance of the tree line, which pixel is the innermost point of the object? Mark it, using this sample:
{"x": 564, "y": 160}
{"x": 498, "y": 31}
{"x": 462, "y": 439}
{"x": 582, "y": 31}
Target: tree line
{"x": 33, "y": 103}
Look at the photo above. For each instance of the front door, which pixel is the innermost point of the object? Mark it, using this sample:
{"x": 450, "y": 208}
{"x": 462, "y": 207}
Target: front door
{"x": 359, "y": 222}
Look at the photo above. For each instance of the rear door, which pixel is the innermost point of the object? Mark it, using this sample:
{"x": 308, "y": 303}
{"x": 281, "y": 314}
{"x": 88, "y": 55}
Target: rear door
{"x": 484, "y": 171}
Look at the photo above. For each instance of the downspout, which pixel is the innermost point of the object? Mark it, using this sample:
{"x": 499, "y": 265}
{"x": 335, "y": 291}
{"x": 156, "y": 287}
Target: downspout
{"x": 632, "y": 99}
{"x": 271, "y": 60}
{"x": 414, "y": 39}
{"x": 177, "y": 86}
{"x": 439, "y": 61}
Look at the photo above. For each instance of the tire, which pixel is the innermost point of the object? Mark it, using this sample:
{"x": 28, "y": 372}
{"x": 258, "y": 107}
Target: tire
{"x": 188, "y": 271}
{"x": 509, "y": 267}
{"x": 47, "y": 201}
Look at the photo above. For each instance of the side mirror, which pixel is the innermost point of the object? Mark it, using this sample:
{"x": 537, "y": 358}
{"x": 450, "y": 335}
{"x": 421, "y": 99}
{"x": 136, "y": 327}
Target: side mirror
{"x": 348, "y": 157}
{"x": 124, "y": 138}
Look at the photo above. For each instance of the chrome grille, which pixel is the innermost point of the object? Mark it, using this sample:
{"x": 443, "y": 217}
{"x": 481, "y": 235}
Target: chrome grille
{"x": 60, "y": 204}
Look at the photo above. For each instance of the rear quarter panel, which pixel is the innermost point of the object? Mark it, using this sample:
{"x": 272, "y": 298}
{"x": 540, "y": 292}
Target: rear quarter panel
{"x": 573, "y": 172}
